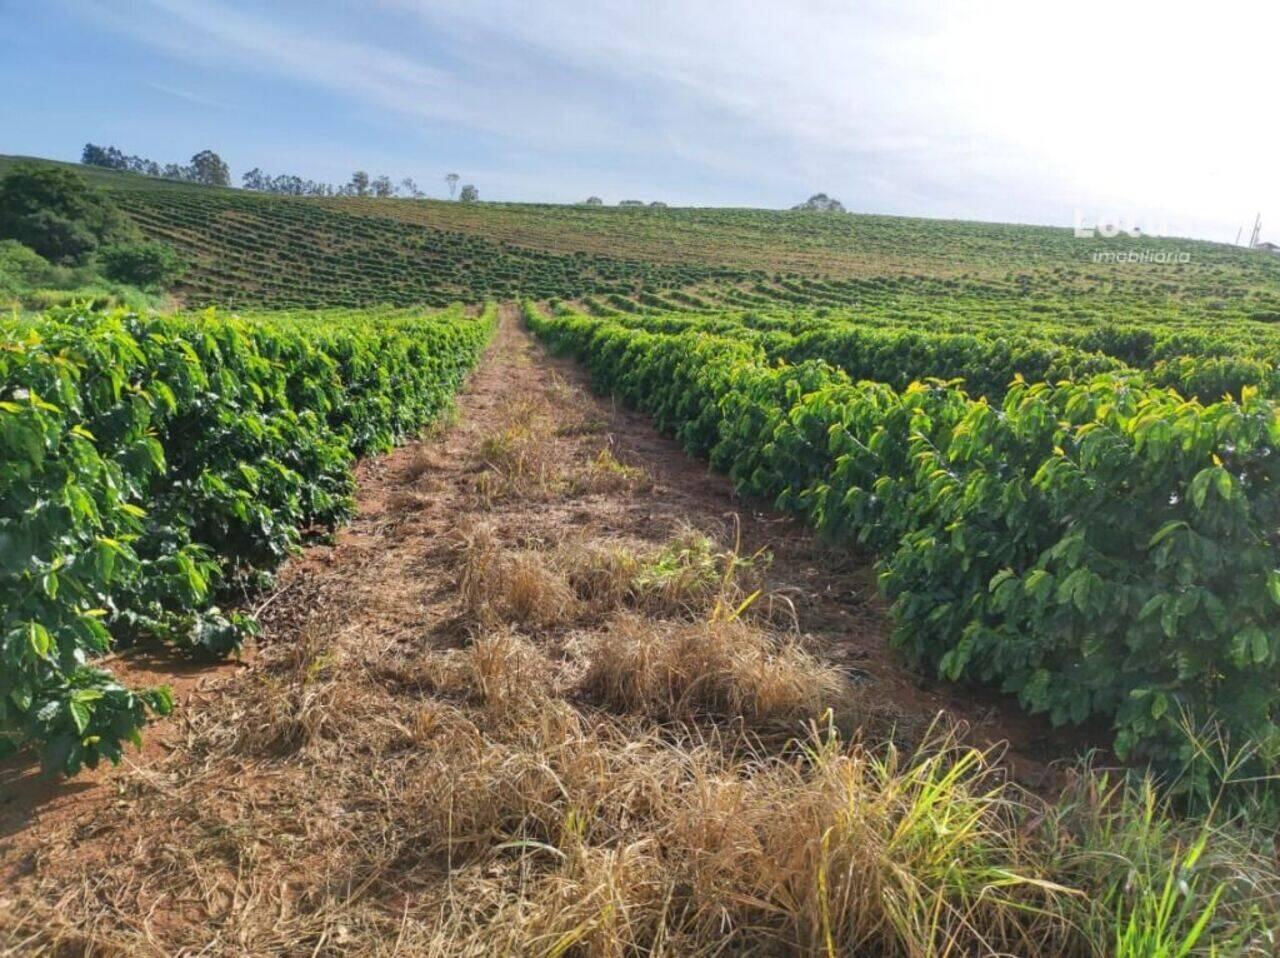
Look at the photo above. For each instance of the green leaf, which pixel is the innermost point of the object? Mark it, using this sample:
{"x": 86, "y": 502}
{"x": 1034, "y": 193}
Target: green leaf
{"x": 39, "y": 640}
{"x": 1224, "y": 483}
{"x": 1260, "y": 646}
{"x": 1152, "y": 606}
{"x": 1166, "y": 530}
{"x": 80, "y": 714}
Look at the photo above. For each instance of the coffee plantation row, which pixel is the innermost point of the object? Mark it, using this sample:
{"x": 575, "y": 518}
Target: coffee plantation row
{"x": 1103, "y": 548}
{"x": 152, "y": 466}
{"x": 987, "y": 355}
{"x": 249, "y": 250}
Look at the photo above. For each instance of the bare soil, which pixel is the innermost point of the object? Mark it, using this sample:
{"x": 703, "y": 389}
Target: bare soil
{"x": 273, "y": 791}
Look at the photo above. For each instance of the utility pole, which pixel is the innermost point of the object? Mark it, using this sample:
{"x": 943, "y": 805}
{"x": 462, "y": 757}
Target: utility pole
{"x": 1257, "y": 232}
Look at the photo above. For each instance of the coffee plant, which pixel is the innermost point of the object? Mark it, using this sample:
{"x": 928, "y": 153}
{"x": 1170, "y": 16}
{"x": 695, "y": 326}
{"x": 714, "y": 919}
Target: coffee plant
{"x": 154, "y": 465}
{"x": 1099, "y": 548}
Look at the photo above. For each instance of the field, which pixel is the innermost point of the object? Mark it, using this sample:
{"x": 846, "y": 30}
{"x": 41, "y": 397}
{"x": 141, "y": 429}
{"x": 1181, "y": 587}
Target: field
{"x": 477, "y": 579}
{"x": 255, "y": 250}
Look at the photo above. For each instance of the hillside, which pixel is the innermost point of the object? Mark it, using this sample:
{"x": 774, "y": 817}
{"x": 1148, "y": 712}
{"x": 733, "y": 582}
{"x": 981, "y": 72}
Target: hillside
{"x": 251, "y": 249}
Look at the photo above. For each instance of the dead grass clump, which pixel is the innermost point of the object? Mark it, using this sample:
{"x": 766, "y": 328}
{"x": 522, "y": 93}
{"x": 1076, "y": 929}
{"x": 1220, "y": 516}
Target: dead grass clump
{"x": 601, "y": 573}
{"x": 589, "y": 424}
{"x": 421, "y": 461}
{"x": 297, "y": 701}
{"x": 497, "y": 585}
{"x": 509, "y": 674}
{"x": 727, "y": 667}
{"x": 521, "y": 457}
{"x": 540, "y": 785}
{"x": 605, "y": 475}
{"x": 849, "y": 850}
{"x": 405, "y": 502}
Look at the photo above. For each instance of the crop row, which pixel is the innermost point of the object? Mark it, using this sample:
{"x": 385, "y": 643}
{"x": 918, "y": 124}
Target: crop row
{"x": 987, "y": 359}
{"x": 281, "y": 253}
{"x": 1101, "y": 548}
{"x": 151, "y": 465}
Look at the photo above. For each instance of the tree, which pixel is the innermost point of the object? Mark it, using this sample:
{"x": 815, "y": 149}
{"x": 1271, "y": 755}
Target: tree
{"x": 821, "y": 203}
{"x": 107, "y": 157}
{"x": 382, "y": 187}
{"x": 255, "y": 180}
{"x": 359, "y": 185}
{"x": 593, "y": 201}
{"x": 452, "y": 180}
{"x": 631, "y": 202}
{"x": 57, "y": 213}
{"x": 409, "y": 188}
{"x": 210, "y": 170}
{"x": 469, "y": 194}
{"x": 141, "y": 264}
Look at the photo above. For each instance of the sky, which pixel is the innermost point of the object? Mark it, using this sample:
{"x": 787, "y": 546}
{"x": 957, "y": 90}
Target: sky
{"x": 1160, "y": 115}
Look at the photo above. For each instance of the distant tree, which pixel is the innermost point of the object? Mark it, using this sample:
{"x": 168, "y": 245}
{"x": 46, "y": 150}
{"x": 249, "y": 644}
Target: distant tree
{"x": 255, "y": 180}
{"x": 658, "y": 204}
{"x": 172, "y": 171}
{"x": 631, "y": 202}
{"x": 208, "y": 168}
{"x": 452, "y": 180}
{"x": 469, "y": 194}
{"x": 147, "y": 264}
{"x": 382, "y": 187}
{"x": 94, "y": 155}
{"x": 821, "y": 203}
{"x": 107, "y": 157}
{"x": 57, "y": 213}
{"x": 593, "y": 201}
{"x": 359, "y": 185}
{"x": 143, "y": 167}
{"x": 409, "y": 188}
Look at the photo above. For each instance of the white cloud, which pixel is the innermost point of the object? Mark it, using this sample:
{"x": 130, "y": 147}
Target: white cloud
{"x": 988, "y": 109}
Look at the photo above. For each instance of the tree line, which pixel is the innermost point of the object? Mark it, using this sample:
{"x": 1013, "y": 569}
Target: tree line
{"x": 206, "y": 167}
{"x": 209, "y": 169}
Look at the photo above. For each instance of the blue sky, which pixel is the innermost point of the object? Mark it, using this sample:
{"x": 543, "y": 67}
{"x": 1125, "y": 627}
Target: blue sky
{"x": 1160, "y": 114}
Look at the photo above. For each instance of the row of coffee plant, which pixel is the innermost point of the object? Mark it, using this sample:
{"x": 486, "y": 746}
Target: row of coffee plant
{"x": 285, "y": 252}
{"x": 151, "y": 467}
{"x": 988, "y": 359}
{"x": 1100, "y": 549}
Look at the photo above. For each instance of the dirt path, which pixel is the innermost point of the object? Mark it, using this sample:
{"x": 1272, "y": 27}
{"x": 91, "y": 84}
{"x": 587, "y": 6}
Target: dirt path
{"x": 268, "y": 815}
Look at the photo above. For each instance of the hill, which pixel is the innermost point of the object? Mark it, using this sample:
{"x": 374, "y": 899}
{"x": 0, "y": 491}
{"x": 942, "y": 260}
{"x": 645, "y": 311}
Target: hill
{"x": 251, "y": 249}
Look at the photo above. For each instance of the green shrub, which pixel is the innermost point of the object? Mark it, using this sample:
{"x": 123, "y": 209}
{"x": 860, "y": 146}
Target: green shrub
{"x": 149, "y": 264}
{"x": 57, "y": 213}
{"x": 22, "y": 268}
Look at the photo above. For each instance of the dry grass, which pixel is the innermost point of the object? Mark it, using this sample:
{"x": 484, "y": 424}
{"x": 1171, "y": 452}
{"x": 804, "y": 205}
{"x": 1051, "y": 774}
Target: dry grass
{"x": 522, "y": 456}
{"x": 579, "y": 580}
{"x": 601, "y": 573}
{"x": 730, "y": 668}
{"x": 498, "y": 585}
{"x": 518, "y": 825}
{"x": 422, "y": 462}
{"x": 298, "y": 701}
{"x": 605, "y": 475}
